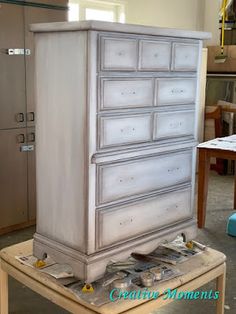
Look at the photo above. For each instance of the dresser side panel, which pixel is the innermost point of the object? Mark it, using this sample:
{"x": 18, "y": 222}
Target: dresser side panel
{"x": 92, "y": 138}
{"x": 61, "y": 62}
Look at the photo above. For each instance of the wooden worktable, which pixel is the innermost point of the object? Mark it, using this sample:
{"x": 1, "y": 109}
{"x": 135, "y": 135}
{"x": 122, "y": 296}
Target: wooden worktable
{"x": 199, "y": 270}
{"x": 204, "y": 157}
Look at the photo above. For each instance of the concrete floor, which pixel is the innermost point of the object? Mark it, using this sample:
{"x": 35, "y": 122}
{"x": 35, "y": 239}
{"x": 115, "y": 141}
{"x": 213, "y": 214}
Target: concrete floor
{"x": 220, "y": 204}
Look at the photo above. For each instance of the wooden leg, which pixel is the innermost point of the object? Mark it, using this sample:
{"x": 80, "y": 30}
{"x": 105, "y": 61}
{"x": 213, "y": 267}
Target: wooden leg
{"x": 203, "y": 176}
{"x": 3, "y": 292}
{"x": 235, "y": 184}
{"x": 220, "y": 286}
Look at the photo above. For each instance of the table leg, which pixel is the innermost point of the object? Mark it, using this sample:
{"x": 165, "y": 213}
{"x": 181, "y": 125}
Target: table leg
{"x": 220, "y": 286}
{"x": 3, "y": 292}
{"x": 203, "y": 176}
{"x": 234, "y": 184}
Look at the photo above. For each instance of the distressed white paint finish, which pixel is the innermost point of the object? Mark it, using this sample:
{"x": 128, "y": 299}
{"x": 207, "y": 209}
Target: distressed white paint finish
{"x": 60, "y": 129}
{"x": 185, "y": 57}
{"x": 118, "y": 54}
{"x": 129, "y": 178}
{"x": 124, "y": 129}
{"x": 118, "y": 27}
{"x": 176, "y": 91}
{"x": 92, "y": 267}
{"x": 126, "y": 93}
{"x": 99, "y": 119}
{"x": 173, "y": 124}
{"x": 154, "y": 55}
{"x": 142, "y": 217}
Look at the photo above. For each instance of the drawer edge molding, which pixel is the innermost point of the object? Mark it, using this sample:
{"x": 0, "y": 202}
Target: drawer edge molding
{"x": 130, "y": 154}
{"x": 129, "y": 224}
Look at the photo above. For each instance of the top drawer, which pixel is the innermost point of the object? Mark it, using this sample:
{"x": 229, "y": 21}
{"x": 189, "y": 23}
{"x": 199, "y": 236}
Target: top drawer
{"x": 154, "y": 55}
{"x": 185, "y": 57}
{"x": 119, "y": 54}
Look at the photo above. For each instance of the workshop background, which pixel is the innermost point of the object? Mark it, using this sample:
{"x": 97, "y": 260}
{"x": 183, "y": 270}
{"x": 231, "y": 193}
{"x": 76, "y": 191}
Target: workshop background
{"x": 17, "y": 120}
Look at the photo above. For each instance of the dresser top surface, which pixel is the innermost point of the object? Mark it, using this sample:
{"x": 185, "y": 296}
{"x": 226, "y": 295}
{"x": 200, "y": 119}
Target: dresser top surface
{"x": 117, "y": 27}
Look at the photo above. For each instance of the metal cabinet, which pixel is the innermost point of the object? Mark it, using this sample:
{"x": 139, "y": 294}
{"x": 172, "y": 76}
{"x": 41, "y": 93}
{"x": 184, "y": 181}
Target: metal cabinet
{"x": 17, "y": 108}
{"x": 12, "y": 65}
{"x": 13, "y": 178}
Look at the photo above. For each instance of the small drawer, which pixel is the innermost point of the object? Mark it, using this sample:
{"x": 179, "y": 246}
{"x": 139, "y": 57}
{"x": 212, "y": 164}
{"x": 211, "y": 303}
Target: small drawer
{"x": 124, "y": 129}
{"x": 119, "y": 54}
{"x": 154, "y": 56}
{"x": 175, "y": 91}
{"x": 126, "y": 93}
{"x": 173, "y": 124}
{"x": 185, "y": 57}
{"x": 127, "y": 179}
{"x": 139, "y": 218}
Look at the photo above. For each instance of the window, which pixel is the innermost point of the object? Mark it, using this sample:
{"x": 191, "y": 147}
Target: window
{"x": 101, "y": 15}
{"x": 73, "y": 12}
{"x": 96, "y": 10}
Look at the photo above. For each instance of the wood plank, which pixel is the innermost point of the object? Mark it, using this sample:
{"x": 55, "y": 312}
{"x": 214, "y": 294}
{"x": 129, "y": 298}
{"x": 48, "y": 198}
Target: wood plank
{"x": 3, "y": 292}
{"x": 17, "y": 227}
{"x": 150, "y": 306}
{"x": 51, "y": 294}
{"x": 220, "y": 286}
{"x": 207, "y": 265}
{"x": 137, "y": 306}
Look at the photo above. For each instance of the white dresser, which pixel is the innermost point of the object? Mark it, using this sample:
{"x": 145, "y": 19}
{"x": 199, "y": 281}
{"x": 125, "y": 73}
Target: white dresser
{"x": 116, "y": 136}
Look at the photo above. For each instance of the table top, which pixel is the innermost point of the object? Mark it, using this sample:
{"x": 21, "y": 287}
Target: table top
{"x": 192, "y": 268}
{"x": 227, "y": 143}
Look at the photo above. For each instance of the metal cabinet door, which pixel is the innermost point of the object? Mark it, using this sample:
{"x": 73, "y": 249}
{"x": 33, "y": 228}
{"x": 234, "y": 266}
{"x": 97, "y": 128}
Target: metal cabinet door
{"x": 13, "y": 178}
{"x": 36, "y": 15}
{"x": 31, "y": 174}
{"x": 12, "y": 78}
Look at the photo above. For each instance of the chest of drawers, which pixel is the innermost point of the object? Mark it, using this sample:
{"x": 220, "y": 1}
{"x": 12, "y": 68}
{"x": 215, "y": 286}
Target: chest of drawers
{"x": 116, "y": 137}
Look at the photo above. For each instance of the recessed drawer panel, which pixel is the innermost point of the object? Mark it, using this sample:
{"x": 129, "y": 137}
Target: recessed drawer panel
{"x": 185, "y": 57}
{"x": 124, "y": 129}
{"x": 154, "y": 55}
{"x": 125, "y": 222}
{"x": 173, "y": 124}
{"x": 119, "y": 54}
{"x": 126, "y": 93}
{"x": 176, "y": 91}
{"x": 126, "y": 179}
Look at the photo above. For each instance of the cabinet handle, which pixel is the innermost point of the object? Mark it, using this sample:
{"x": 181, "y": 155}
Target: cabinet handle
{"x": 16, "y": 51}
{"x": 21, "y": 138}
{"x": 31, "y": 137}
{"x": 30, "y": 116}
{"x": 20, "y": 117}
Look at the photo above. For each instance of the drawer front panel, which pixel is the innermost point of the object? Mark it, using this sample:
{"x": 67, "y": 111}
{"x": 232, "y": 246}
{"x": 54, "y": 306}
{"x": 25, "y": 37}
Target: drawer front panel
{"x": 119, "y": 54}
{"x": 176, "y": 91}
{"x": 120, "y": 130}
{"x": 126, "y": 179}
{"x": 154, "y": 56}
{"x": 125, "y": 222}
{"x": 126, "y": 93}
{"x": 185, "y": 57}
{"x": 173, "y": 124}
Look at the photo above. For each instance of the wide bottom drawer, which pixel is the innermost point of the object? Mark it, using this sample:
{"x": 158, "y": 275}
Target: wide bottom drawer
{"x": 128, "y": 221}
{"x": 118, "y": 181}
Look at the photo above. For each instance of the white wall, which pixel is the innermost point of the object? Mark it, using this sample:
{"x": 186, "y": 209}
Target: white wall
{"x": 211, "y": 19}
{"x": 175, "y": 13}
{"x": 187, "y": 14}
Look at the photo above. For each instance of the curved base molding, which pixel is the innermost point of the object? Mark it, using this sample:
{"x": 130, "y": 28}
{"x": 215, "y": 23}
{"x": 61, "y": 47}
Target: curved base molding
{"x": 91, "y": 267}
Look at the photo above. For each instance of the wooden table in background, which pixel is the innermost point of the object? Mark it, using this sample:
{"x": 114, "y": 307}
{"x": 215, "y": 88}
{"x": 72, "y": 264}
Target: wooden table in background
{"x": 205, "y": 155}
{"x": 198, "y": 271}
